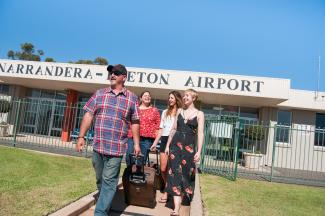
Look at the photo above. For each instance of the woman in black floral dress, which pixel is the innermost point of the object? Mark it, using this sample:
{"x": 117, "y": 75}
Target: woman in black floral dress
{"x": 181, "y": 151}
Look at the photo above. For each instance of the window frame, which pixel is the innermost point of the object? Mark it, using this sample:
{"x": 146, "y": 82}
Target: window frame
{"x": 321, "y": 131}
{"x": 289, "y": 127}
{"x": 4, "y": 89}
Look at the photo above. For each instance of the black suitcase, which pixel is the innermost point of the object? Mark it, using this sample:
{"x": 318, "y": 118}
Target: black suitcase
{"x": 139, "y": 183}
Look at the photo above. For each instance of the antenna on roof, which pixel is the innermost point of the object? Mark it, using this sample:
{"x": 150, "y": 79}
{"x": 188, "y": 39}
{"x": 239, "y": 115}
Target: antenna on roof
{"x": 318, "y": 76}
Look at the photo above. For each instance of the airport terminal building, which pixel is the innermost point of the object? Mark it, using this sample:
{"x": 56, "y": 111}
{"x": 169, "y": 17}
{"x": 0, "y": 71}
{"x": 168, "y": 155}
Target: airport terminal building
{"x": 268, "y": 101}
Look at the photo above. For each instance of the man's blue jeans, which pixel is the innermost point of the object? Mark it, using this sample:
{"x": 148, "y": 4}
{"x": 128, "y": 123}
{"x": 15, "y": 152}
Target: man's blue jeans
{"x": 107, "y": 169}
{"x": 145, "y": 144}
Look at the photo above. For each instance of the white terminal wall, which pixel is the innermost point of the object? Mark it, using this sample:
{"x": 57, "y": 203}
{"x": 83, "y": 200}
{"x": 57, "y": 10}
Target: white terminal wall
{"x": 263, "y": 91}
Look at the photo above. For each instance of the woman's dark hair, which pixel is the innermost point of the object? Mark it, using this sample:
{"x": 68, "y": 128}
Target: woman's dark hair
{"x": 179, "y": 102}
{"x": 142, "y": 93}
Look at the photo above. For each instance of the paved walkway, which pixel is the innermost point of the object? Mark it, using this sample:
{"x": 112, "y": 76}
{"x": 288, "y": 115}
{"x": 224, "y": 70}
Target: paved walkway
{"x": 119, "y": 208}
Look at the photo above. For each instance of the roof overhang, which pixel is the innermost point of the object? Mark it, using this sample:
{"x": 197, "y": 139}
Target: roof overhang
{"x": 214, "y": 88}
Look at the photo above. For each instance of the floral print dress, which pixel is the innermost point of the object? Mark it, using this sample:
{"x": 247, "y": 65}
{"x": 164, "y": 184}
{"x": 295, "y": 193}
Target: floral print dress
{"x": 181, "y": 171}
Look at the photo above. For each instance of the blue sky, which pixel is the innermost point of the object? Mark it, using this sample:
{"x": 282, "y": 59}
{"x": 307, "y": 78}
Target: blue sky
{"x": 259, "y": 38}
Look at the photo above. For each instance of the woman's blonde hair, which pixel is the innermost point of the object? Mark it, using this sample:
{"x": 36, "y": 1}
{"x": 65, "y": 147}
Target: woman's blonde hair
{"x": 195, "y": 96}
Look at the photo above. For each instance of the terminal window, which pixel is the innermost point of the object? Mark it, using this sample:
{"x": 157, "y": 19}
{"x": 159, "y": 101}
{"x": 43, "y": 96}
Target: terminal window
{"x": 320, "y": 130}
{"x": 283, "y": 126}
{"x": 4, "y": 89}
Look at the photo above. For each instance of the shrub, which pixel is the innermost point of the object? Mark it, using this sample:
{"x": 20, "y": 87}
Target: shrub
{"x": 255, "y": 132}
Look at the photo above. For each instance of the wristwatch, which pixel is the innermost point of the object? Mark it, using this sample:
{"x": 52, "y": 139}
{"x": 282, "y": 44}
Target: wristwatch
{"x": 81, "y": 137}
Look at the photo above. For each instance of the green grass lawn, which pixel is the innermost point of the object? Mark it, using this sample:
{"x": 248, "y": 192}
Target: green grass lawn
{"x": 250, "y": 197}
{"x": 36, "y": 184}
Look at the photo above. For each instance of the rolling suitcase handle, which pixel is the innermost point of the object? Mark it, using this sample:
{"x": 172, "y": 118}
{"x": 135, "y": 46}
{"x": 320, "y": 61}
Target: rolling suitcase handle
{"x": 133, "y": 160}
{"x": 157, "y": 160}
{"x": 160, "y": 184}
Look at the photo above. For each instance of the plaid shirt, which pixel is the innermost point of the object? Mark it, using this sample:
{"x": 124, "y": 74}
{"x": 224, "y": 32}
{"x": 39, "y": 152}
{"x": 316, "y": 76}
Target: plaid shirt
{"x": 113, "y": 114}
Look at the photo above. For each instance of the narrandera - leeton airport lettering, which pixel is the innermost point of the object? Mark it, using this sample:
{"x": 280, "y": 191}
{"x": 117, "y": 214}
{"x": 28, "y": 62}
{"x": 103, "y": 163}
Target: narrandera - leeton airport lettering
{"x": 139, "y": 77}
{"x": 45, "y": 70}
{"x": 197, "y": 81}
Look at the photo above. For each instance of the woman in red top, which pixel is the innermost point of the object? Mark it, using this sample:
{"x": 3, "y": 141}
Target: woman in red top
{"x": 149, "y": 125}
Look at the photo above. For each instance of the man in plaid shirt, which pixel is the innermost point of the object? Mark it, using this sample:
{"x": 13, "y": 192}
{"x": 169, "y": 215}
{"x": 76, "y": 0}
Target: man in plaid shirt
{"x": 113, "y": 109}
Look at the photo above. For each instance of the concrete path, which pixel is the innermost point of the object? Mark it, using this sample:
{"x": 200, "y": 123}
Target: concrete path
{"x": 86, "y": 205}
{"x": 119, "y": 208}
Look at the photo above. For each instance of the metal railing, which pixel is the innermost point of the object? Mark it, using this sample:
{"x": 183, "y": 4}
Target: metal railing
{"x": 42, "y": 124}
{"x": 220, "y": 151}
{"x": 294, "y": 154}
{"x": 232, "y": 147}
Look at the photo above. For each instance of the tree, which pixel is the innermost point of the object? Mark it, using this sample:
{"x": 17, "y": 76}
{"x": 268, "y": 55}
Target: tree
{"x": 101, "y": 61}
{"x": 27, "y": 52}
{"x": 49, "y": 60}
{"x": 81, "y": 61}
{"x": 97, "y": 61}
{"x": 11, "y": 54}
{"x": 40, "y": 52}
